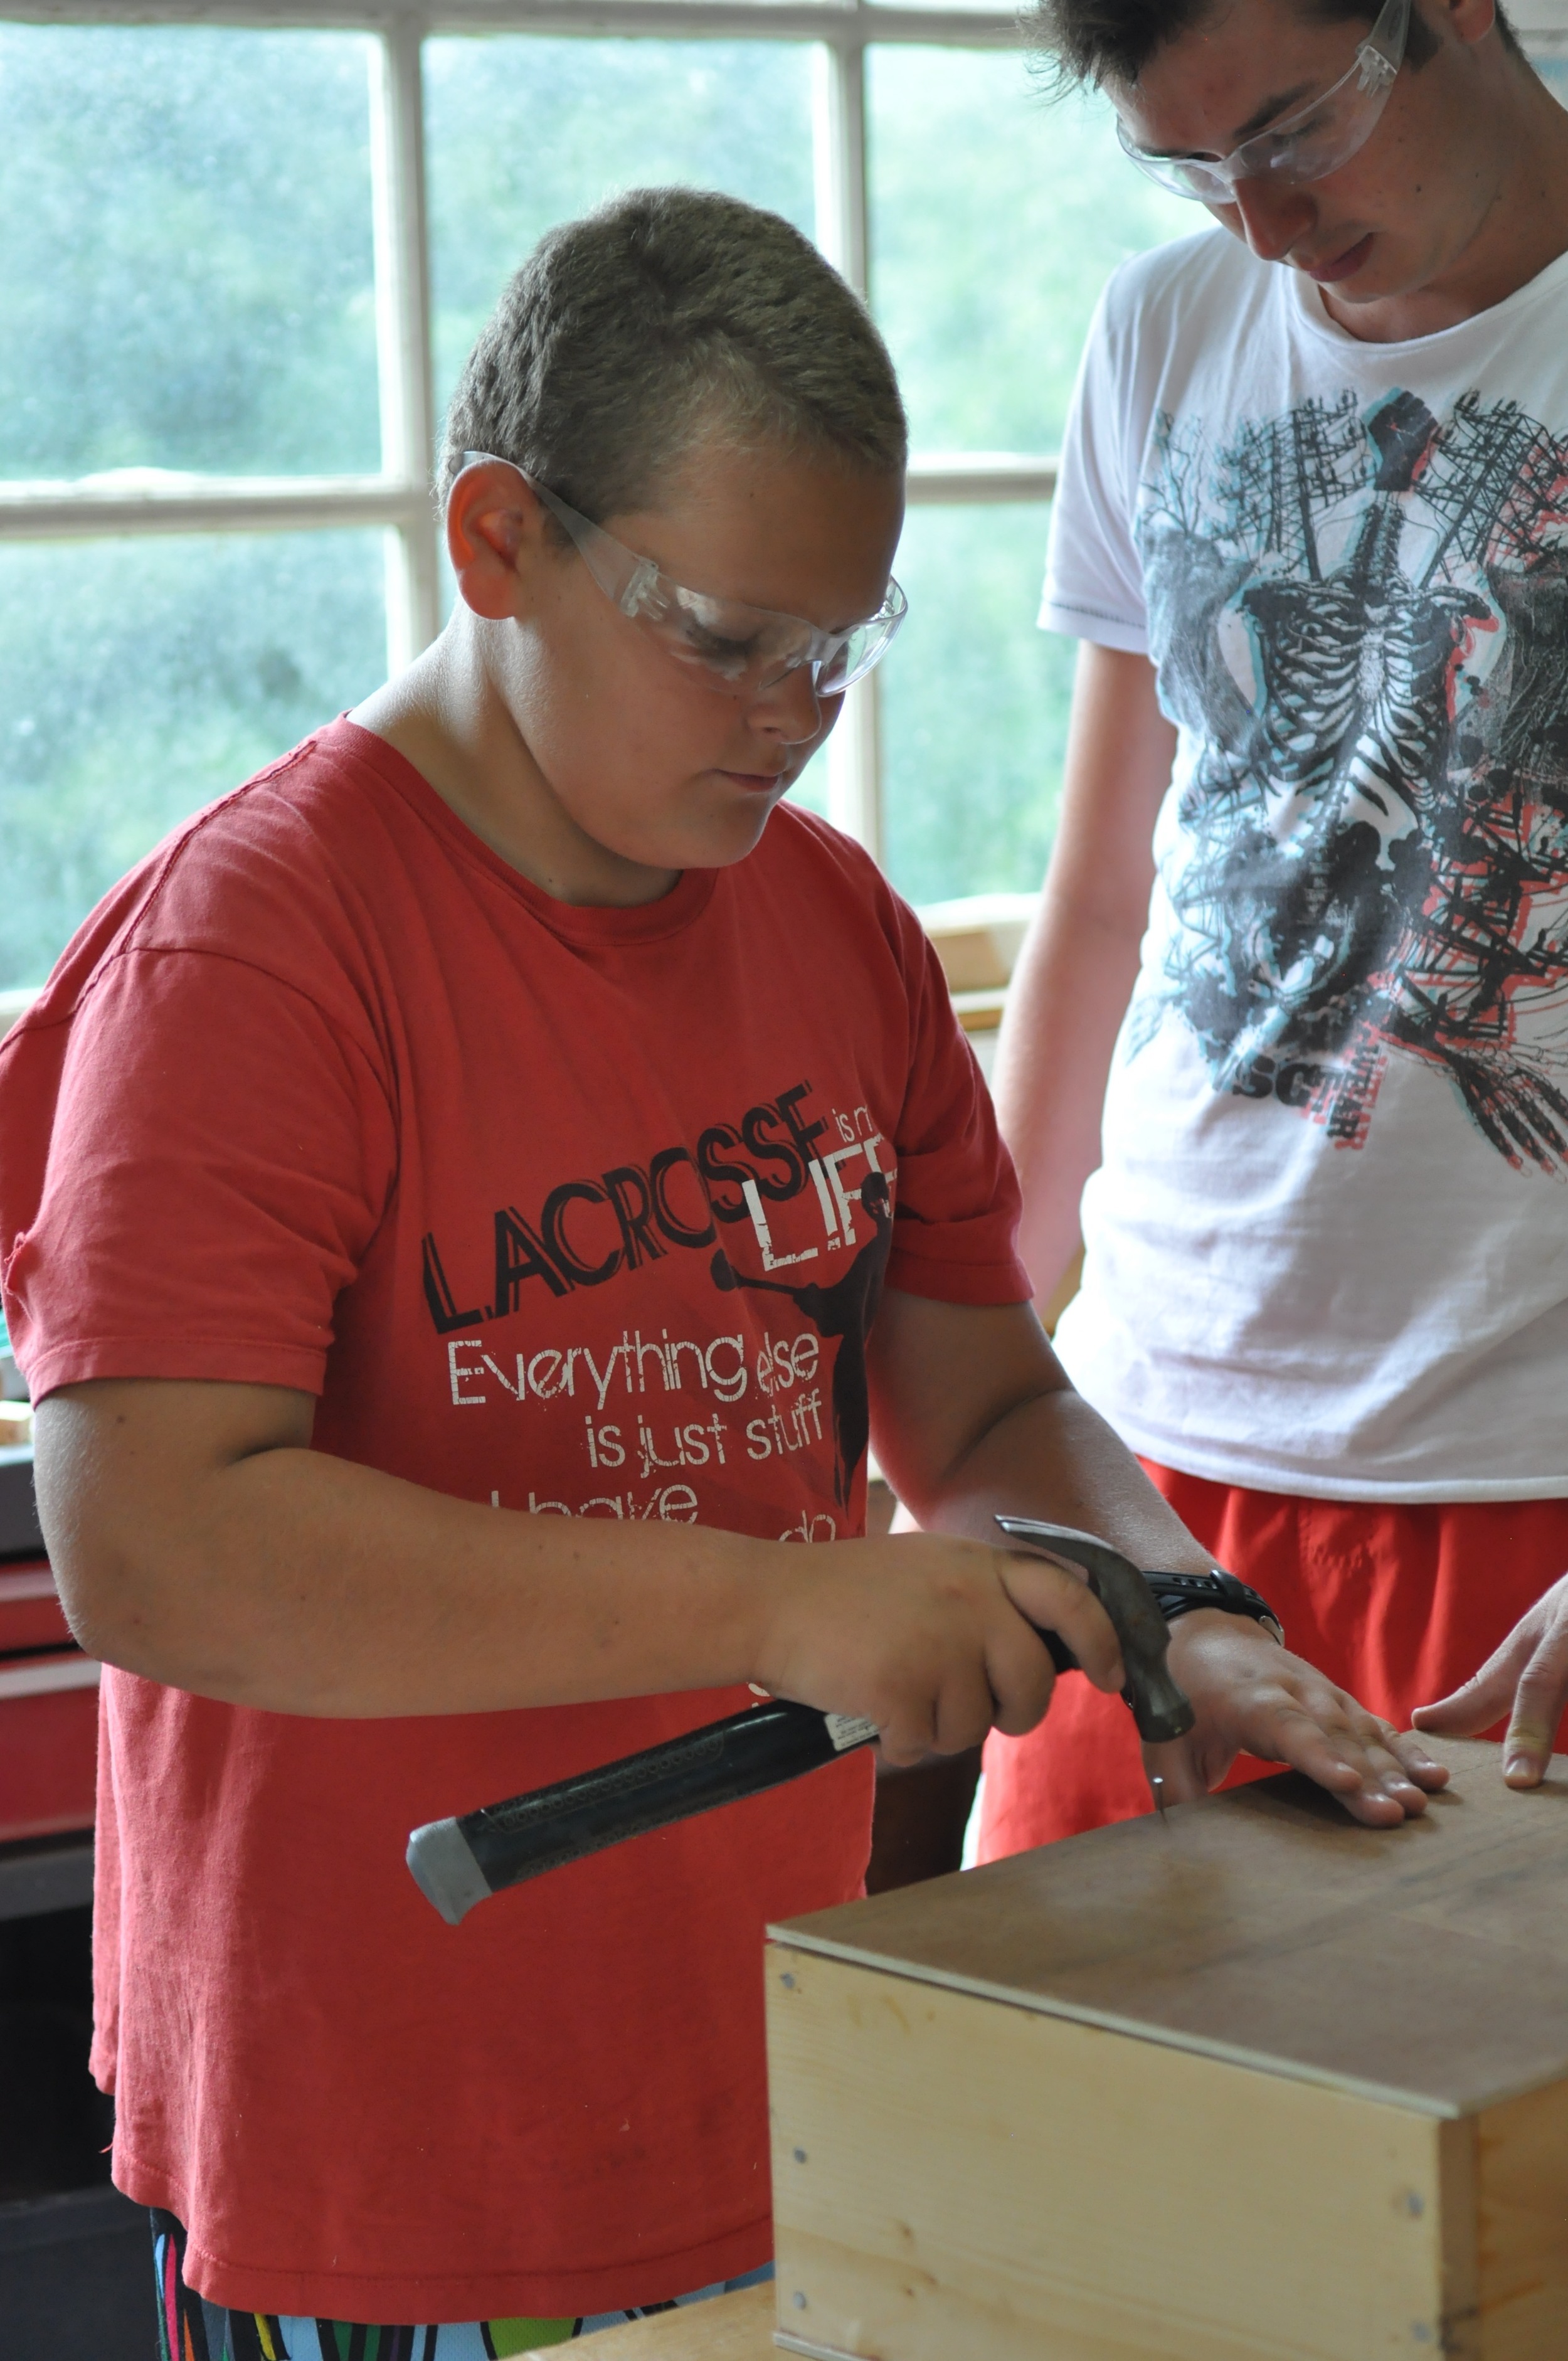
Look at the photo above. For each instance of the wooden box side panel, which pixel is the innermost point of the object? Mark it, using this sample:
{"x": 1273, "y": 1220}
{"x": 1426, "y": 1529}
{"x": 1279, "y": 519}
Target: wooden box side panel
{"x": 1421, "y": 1965}
{"x": 954, "y": 2176}
{"x": 1522, "y": 2171}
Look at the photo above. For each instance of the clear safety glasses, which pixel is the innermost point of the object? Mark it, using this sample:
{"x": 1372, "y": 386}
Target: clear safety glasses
{"x": 1307, "y": 145}
{"x": 740, "y": 649}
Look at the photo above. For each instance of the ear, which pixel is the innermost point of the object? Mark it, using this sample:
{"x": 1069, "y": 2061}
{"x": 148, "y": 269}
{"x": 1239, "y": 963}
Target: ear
{"x": 1471, "y": 20}
{"x": 494, "y": 523}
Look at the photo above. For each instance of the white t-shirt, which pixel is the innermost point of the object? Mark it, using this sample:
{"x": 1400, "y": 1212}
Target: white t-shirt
{"x": 1328, "y": 1247}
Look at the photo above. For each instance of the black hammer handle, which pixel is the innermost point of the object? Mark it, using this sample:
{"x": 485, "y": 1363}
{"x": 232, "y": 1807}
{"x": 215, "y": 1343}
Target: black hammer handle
{"x": 457, "y": 1862}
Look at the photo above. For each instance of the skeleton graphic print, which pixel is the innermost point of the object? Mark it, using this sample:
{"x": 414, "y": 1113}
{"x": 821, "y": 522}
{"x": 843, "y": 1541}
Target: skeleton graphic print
{"x": 1359, "y": 614}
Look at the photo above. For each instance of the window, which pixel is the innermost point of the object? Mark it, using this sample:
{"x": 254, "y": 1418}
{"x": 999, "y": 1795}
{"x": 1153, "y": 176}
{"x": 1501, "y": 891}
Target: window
{"x": 188, "y": 284}
{"x": 247, "y": 249}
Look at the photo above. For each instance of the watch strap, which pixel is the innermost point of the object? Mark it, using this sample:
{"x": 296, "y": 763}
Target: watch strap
{"x": 1184, "y": 1593}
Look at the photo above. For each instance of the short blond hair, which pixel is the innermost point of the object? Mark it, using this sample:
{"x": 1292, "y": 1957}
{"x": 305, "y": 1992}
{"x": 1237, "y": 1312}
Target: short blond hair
{"x": 663, "y": 317}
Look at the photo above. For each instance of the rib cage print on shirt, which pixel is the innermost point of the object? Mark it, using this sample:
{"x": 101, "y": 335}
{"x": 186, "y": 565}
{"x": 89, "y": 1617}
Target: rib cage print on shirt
{"x": 1360, "y": 615}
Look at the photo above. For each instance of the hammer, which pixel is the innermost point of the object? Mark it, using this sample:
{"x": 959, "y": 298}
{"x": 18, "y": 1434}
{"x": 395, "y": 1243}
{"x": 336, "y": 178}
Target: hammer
{"x": 456, "y": 1863}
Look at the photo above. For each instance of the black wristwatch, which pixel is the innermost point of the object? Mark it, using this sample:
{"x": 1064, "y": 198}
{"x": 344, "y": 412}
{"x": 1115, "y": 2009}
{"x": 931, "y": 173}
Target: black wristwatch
{"x": 1183, "y": 1594}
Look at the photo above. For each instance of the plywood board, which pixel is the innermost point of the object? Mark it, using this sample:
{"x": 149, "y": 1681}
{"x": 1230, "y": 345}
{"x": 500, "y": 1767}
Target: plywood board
{"x": 1425, "y": 1966}
{"x": 953, "y": 2177}
{"x": 726, "y": 2328}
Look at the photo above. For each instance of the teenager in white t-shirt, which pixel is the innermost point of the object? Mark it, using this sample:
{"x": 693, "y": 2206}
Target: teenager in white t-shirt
{"x": 1296, "y": 1005}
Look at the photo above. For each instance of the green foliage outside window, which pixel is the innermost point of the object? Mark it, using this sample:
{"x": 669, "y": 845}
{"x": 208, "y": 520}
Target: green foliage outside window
{"x": 997, "y": 216}
{"x": 185, "y": 272}
{"x": 524, "y": 131}
{"x": 186, "y": 283}
{"x": 974, "y": 719}
{"x": 140, "y": 679}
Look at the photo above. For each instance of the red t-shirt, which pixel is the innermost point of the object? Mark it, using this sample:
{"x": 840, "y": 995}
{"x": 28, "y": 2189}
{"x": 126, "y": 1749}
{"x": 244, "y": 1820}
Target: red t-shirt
{"x": 325, "y": 1095}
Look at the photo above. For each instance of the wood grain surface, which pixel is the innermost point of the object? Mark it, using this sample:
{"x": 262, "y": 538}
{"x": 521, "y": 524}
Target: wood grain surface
{"x": 726, "y": 2328}
{"x": 959, "y": 2180}
{"x": 1427, "y": 1965}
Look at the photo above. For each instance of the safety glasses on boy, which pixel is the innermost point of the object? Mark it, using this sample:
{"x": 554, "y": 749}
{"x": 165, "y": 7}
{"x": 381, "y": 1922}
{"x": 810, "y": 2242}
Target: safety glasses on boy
{"x": 1306, "y": 145}
{"x": 739, "y": 649}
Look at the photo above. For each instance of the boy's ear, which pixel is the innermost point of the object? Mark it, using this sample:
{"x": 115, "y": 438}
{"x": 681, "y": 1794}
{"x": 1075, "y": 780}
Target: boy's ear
{"x": 493, "y": 520}
{"x": 1471, "y": 20}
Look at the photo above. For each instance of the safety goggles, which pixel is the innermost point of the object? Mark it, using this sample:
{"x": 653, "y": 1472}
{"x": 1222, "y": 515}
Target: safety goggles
{"x": 743, "y": 650}
{"x": 1306, "y": 145}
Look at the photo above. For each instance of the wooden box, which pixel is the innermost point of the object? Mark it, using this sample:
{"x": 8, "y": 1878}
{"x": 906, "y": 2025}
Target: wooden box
{"x": 1254, "y": 2085}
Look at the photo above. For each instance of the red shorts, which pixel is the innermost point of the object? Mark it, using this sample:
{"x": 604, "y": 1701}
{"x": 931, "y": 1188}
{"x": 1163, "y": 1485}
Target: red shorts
{"x": 1395, "y": 1604}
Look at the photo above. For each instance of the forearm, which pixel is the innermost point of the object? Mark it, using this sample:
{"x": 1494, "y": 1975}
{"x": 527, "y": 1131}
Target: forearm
{"x": 306, "y": 1584}
{"x": 1052, "y": 1456}
{"x": 1079, "y": 963}
{"x": 1065, "y": 1007}
{"x": 200, "y": 1541}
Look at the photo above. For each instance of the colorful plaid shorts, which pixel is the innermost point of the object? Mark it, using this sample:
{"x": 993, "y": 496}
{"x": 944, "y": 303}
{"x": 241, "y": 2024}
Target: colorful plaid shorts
{"x": 191, "y": 2329}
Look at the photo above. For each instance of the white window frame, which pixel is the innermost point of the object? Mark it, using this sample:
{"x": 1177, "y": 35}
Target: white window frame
{"x": 398, "y": 498}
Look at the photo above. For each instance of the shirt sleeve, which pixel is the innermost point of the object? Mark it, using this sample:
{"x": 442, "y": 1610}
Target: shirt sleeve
{"x": 212, "y": 1155}
{"x": 1094, "y": 588}
{"x": 957, "y": 1204}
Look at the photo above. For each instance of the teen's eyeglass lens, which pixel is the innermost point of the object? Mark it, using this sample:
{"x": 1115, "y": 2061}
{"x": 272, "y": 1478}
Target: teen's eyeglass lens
{"x": 739, "y": 649}
{"x": 1307, "y": 143}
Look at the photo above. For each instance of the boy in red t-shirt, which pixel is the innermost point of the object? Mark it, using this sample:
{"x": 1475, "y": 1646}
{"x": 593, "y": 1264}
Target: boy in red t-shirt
{"x": 467, "y": 1199}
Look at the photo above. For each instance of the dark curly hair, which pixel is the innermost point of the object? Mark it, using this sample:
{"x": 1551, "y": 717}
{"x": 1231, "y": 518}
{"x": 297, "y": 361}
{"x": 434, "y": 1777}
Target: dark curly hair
{"x": 1113, "y": 40}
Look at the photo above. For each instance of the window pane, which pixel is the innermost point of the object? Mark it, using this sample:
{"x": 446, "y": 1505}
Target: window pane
{"x": 523, "y": 132}
{"x": 185, "y": 270}
{"x": 974, "y": 707}
{"x": 139, "y": 679}
{"x": 996, "y": 217}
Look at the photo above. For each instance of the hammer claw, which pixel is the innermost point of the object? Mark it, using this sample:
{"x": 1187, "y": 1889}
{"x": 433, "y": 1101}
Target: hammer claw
{"x": 1159, "y": 1708}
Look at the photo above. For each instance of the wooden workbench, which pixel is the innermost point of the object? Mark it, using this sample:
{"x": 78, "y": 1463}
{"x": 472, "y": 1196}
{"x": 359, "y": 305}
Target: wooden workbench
{"x": 726, "y": 2328}
{"x": 1256, "y": 2085}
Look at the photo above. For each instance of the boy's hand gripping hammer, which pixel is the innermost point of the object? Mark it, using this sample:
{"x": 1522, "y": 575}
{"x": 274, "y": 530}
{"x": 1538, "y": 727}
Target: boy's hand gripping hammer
{"x": 457, "y": 1862}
